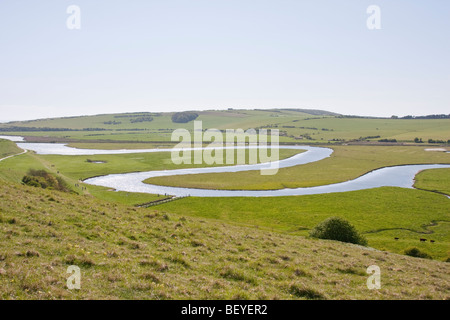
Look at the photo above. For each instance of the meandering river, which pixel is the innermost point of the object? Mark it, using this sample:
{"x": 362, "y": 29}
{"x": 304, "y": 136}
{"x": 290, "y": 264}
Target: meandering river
{"x": 396, "y": 176}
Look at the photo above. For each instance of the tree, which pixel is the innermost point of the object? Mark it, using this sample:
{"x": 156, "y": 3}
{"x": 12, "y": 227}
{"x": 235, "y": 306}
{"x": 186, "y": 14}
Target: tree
{"x": 184, "y": 117}
{"x": 336, "y": 228}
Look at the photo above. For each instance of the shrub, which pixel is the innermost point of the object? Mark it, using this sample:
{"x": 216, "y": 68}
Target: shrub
{"x": 43, "y": 179}
{"x": 339, "y": 229}
{"x": 415, "y": 252}
{"x": 32, "y": 181}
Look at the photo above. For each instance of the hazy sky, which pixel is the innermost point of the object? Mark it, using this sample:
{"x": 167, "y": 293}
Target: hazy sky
{"x": 166, "y": 55}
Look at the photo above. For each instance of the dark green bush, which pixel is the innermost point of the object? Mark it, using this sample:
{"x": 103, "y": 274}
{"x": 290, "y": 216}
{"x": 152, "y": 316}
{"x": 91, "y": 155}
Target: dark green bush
{"x": 31, "y": 181}
{"x": 415, "y": 252}
{"x": 339, "y": 229}
{"x": 43, "y": 179}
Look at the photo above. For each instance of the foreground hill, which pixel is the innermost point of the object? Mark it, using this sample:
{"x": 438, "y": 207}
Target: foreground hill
{"x": 126, "y": 252}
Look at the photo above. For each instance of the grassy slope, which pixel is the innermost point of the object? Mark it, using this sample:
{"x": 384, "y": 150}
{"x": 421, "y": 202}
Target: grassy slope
{"x": 321, "y": 128}
{"x": 381, "y": 214}
{"x": 346, "y": 162}
{"x": 160, "y": 129}
{"x": 211, "y": 119}
{"x": 130, "y": 253}
{"x": 8, "y": 148}
{"x": 434, "y": 180}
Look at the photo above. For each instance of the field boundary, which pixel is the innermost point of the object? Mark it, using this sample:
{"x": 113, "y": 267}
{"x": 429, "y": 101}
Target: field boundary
{"x": 160, "y": 201}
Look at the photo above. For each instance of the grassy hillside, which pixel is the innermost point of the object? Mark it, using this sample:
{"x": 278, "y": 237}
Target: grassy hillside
{"x": 295, "y": 126}
{"x": 129, "y": 253}
{"x": 118, "y": 127}
{"x": 220, "y": 119}
{"x": 8, "y": 148}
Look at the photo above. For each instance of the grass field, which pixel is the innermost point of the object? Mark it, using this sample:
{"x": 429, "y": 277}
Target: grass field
{"x": 381, "y": 214}
{"x": 434, "y": 180}
{"x": 130, "y": 253}
{"x": 346, "y": 163}
{"x": 355, "y": 128}
{"x": 296, "y": 126}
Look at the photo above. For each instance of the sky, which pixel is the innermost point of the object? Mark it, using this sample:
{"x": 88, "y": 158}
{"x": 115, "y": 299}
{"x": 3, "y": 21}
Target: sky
{"x": 173, "y": 55}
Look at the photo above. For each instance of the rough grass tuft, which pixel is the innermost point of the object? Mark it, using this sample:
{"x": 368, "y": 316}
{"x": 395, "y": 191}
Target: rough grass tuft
{"x": 302, "y": 291}
{"x": 237, "y": 275}
{"x": 82, "y": 261}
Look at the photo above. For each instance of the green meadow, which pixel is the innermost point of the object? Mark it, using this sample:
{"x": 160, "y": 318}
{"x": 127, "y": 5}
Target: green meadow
{"x": 434, "y": 180}
{"x": 381, "y": 214}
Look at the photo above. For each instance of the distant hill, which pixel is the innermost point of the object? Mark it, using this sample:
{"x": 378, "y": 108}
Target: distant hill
{"x": 116, "y": 117}
{"x": 315, "y": 112}
{"x": 294, "y": 124}
{"x": 162, "y": 120}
